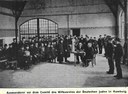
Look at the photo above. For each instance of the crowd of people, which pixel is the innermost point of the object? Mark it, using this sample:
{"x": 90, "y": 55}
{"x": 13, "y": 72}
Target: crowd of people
{"x": 113, "y": 52}
{"x": 58, "y": 49}
{"x": 51, "y": 49}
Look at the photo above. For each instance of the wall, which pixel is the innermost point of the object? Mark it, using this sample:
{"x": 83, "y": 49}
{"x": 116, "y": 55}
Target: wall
{"x": 7, "y": 31}
{"x": 91, "y": 16}
{"x": 95, "y": 32}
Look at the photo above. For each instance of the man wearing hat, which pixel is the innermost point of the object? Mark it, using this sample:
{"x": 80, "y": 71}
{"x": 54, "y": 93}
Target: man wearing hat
{"x": 14, "y": 48}
{"x": 109, "y": 55}
{"x": 100, "y": 44}
{"x": 118, "y": 53}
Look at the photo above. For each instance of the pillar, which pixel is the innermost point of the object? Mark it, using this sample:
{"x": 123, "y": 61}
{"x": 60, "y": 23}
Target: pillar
{"x": 126, "y": 33}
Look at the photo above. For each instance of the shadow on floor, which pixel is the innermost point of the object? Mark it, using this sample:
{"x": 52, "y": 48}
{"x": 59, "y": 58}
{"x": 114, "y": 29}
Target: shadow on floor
{"x": 31, "y": 67}
{"x": 98, "y": 81}
{"x": 94, "y": 73}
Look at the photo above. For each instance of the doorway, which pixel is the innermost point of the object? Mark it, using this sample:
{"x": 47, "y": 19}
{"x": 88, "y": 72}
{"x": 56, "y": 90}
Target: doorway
{"x": 1, "y": 43}
{"x": 76, "y": 32}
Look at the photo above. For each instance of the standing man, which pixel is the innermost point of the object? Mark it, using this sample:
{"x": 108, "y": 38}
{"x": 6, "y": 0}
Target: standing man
{"x": 105, "y": 43}
{"x": 118, "y": 53}
{"x": 125, "y": 47}
{"x": 109, "y": 56}
{"x": 100, "y": 44}
{"x": 14, "y": 48}
{"x": 66, "y": 49}
{"x": 60, "y": 51}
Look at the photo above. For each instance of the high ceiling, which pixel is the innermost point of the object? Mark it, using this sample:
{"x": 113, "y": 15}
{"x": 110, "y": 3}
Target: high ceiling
{"x": 12, "y": 4}
{"x": 18, "y": 5}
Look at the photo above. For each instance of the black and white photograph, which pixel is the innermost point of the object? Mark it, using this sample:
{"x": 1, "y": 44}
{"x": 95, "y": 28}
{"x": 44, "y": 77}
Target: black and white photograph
{"x": 63, "y": 43}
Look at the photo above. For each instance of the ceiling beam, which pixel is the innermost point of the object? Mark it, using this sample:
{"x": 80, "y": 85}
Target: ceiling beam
{"x": 17, "y": 10}
{"x": 112, "y": 4}
{"x": 121, "y": 5}
{"x": 7, "y": 14}
{"x": 16, "y": 6}
{"x": 11, "y": 4}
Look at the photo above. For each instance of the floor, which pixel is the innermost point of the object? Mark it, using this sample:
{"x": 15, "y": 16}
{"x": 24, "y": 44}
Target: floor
{"x": 49, "y": 75}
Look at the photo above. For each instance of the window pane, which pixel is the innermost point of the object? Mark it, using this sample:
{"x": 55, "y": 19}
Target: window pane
{"x": 46, "y": 28}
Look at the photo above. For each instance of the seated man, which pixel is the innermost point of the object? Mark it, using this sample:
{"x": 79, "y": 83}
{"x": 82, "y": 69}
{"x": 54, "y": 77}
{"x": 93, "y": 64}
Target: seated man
{"x": 20, "y": 58}
{"x": 79, "y": 52}
{"x": 24, "y": 57}
{"x": 27, "y": 58}
{"x": 89, "y": 54}
{"x": 34, "y": 51}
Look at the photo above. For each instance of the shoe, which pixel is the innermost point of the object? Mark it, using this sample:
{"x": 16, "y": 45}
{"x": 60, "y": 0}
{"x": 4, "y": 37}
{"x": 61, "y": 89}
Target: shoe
{"x": 109, "y": 72}
{"x": 115, "y": 76}
{"x": 119, "y": 77}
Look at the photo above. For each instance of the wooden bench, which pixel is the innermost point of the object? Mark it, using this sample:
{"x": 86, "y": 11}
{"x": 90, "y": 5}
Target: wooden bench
{"x": 3, "y": 63}
{"x": 12, "y": 64}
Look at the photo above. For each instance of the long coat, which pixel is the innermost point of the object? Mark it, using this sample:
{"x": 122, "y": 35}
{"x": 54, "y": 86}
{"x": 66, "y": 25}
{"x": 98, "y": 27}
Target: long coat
{"x": 118, "y": 53}
{"x": 109, "y": 50}
{"x": 66, "y": 48}
{"x": 100, "y": 42}
{"x": 60, "y": 51}
{"x": 89, "y": 53}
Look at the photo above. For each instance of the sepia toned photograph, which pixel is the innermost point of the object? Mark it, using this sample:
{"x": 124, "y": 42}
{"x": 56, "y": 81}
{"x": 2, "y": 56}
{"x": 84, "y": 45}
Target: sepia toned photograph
{"x": 63, "y": 43}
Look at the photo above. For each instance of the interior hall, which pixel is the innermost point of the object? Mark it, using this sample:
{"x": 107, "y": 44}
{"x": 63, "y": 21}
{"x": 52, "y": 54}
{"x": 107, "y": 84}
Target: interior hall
{"x": 63, "y": 43}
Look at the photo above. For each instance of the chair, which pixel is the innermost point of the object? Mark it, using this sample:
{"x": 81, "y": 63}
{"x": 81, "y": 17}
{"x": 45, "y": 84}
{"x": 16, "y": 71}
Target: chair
{"x": 88, "y": 61}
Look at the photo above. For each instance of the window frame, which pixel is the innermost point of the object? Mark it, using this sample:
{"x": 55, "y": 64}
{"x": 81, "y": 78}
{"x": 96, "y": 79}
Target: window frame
{"x": 24, "y": 30}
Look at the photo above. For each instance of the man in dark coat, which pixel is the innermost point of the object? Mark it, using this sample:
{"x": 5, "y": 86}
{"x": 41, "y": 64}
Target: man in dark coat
{"x": 34, "y": 51}
{"x": 20, "y": 58}
{"x": 105, "y": 43}
{"x": 89, "y": 54}
{"x": 10, "y": 52}
{"x": 70, "y": 40}
{"x": 100, "y": 44}
{"x": 14, "y": 48}
{"x": 66, "y": 48}
{"x": 125, "y": 57}
{"x": 118, "y": 53}
{"x": 109, "y": 56}
{"x": 60, "y": 51}
{"x": 22, "y": 43}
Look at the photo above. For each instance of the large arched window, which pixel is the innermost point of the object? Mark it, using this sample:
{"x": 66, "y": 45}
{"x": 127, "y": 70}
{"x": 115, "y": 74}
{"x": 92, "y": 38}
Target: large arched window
{"x": 38, "y": 27}
{"x": 121, "y": 25}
